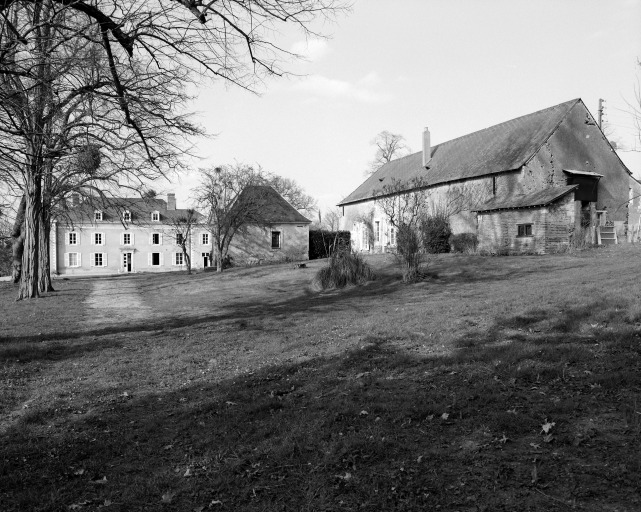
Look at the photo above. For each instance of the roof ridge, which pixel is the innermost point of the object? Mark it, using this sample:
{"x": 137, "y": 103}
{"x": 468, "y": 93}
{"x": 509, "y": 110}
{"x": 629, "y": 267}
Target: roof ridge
{"x": 574, "y": 102}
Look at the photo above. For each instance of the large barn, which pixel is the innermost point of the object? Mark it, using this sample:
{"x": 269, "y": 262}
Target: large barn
{"x": 525, "y": 185}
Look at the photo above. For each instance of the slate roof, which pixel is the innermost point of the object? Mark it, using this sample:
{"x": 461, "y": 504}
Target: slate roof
{"x": 540, "y": 198}
{"x": 140, "y": 209}
{"x": 272, "y": 208}
{"x": 503, "y": 147}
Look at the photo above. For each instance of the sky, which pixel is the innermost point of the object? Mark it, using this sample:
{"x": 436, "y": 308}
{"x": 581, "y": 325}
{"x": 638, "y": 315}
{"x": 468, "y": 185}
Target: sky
{"x": 455, "y": 66}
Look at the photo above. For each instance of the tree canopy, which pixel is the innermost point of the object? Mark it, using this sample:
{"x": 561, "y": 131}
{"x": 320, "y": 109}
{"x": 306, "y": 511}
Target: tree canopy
{"x": 93, "y": 94}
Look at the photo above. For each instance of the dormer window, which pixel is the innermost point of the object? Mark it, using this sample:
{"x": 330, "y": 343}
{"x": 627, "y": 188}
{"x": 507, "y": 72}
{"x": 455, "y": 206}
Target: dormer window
{"x": 97, "y": 215}
{"x": 126, "y": 216}
{"x": 155, "y": 216}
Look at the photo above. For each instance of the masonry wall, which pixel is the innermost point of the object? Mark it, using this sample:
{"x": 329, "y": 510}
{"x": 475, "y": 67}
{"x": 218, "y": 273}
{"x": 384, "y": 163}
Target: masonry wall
{"x": 579, "y": 144}
{"x": 551, "y": 228}
{"x": 253, "y": 245}
{"x": 634, "y": 211}
{"x": 113, "y": 249}
{"x": 458, "y": 199}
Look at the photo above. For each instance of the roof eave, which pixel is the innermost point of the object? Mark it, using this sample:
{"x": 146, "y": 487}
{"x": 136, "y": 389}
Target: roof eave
{"x": 536, "y": 205}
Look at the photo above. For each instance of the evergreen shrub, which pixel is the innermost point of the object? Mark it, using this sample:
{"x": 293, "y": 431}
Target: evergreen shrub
{"x": 436, "y": 233}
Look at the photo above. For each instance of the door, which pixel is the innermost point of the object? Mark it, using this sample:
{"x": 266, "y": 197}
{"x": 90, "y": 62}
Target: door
{"x": 126, "y": 261}
{"x": 206, "y": 260}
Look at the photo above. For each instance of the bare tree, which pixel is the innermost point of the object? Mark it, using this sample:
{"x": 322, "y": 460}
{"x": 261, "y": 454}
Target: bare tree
{"x": 389, "y": 146}
{"x": 132, "y": 102}
{"x": 182, "y": 228}
{"x": 635, "y": 108}
{"x": 222, "y": 194}
{"x": 404, "y": 202}
{"x": 331, "y": 219}
{"x": 293, "y": 193}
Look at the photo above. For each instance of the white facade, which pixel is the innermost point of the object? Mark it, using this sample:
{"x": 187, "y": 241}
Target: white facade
{"x": 111, "y": 248}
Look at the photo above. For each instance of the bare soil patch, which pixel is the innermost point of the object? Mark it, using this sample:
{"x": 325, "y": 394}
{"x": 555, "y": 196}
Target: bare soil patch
{"x": 116, "y": 301}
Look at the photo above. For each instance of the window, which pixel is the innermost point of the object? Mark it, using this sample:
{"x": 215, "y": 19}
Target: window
{"x": 98, "y": 238}
{"x": 155, "y": 259}
{"x": 179, "y": 238}
{"x": 276, "y": 240}
{"x": 204, "y": 240}
{"x": 377, "y": 231}
{"x": 127, "y": 239}
{"x": 72, "y": 238}
{"x": 126, "y": 216}
{"x": 155, "y": 216}
{"x": 392, "y": 236}
{"x": 156, "y": 239}
{"x": 72, "y": 259}
{"x": 179, "y": 258}
{"x": 98, "y": 259}
{"x": 524, "y": 230}
{"x": 97, "y": 215}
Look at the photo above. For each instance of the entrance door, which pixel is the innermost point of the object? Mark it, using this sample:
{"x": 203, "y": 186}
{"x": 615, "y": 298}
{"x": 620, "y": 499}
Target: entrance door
{"x": 206, "y": 259}
{"x": 126, "y": 261}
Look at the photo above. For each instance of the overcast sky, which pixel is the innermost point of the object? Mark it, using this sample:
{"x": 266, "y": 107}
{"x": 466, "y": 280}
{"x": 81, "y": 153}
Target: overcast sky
{"x": 454, "y": 65}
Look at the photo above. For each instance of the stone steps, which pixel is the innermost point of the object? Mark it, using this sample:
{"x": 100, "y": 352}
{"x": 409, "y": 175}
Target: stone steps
{"x": 607, "y": 235}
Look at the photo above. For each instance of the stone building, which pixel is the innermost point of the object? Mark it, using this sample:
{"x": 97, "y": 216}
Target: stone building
{"x": 525, "y": 185}
{"x": 139, "y": 235}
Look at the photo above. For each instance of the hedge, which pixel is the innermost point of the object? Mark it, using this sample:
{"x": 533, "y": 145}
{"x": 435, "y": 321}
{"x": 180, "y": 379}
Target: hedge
{"x": 322, "y": 244}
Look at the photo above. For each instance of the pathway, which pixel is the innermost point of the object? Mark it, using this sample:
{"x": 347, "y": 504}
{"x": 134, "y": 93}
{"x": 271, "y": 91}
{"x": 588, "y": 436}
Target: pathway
{"x": 116, "y": 301}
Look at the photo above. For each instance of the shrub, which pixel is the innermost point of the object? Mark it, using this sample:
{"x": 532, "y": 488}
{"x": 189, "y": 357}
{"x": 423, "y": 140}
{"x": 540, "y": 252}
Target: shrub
{"x": 408, "y": 251}
{"x": 436, "y": 232}
{"x": 464, "y": 242}
{"x": 228, "y": 262}
{"x": 344, "y": 267}
{"x": 322, "y": 244}
{"x": 580, "y": 239}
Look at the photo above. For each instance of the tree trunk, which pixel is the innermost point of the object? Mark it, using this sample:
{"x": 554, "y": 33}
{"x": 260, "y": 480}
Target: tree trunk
{"x": 17, "y": 246}
{"x": 44, "y": 267}
{"x": 219, "y": 260}
{"x": 30, "y": 257}
{"x": 187, "y": 259}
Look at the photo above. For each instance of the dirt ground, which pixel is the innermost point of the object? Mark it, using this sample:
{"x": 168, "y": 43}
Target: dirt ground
{"x": 116, "y": 301}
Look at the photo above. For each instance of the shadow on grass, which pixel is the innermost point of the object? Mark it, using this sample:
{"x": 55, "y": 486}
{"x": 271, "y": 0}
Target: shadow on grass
{"x": 53, "y": 351}
{"x": 376, "y": 428}
{"x": 388, "y": 283}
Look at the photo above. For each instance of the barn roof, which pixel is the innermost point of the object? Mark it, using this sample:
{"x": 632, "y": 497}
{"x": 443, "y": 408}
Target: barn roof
{"x": 503, "y": 147}
{"x": 543, "y": 197}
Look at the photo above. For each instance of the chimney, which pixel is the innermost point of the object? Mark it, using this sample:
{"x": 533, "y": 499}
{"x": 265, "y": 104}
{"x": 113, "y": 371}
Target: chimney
{"x": 171, "y": 201}
{"x": 427, "y": 148}
{"x": 75, "y": 199}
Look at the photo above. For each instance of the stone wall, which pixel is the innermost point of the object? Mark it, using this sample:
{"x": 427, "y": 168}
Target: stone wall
{"x": 253, "y": 245}
{"x": 551, "y": 228}
{"x": 455, "y": 199}
{"x": 634, "y": 212}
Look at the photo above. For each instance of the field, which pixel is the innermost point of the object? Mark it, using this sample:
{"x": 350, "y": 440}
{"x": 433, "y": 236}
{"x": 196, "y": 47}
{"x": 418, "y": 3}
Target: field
{"x": 498, "y": 383}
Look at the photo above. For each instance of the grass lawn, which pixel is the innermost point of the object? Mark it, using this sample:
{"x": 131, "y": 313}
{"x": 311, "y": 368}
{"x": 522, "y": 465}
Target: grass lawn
{"x": 500, "y": 383}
